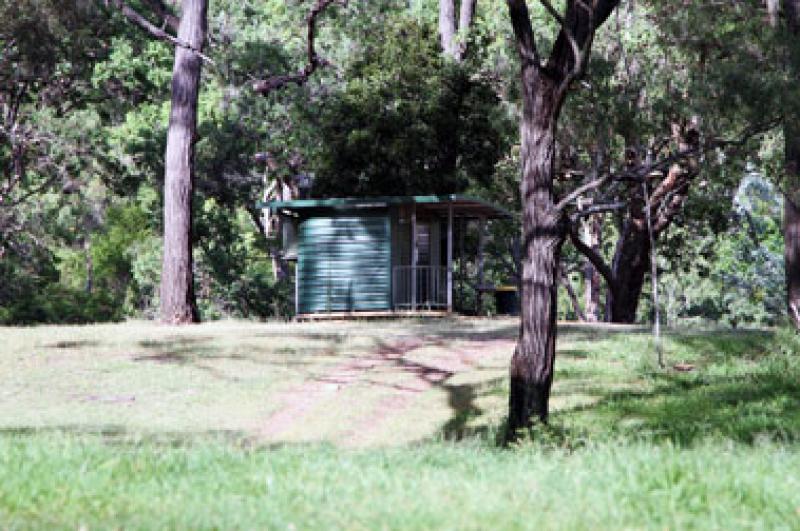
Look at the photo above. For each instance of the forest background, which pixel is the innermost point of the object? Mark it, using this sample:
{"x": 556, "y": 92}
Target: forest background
{"x": 397, "y": 109}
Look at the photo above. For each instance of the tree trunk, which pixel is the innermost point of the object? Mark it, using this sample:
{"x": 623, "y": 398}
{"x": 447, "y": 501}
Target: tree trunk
{"x": 178, "y": 305}
{"x": 543, "y": 232}
{"x": 591, "y": 277}
{"x": 573, "y": 297}
{"x": 544, "y": 226}
{"x": 452, "y": 34}
{"x": 630, "y": 267}
{"x": 791, "y": 224}
{"x": 791, "y": 210}
{"x": 447, "y": 27}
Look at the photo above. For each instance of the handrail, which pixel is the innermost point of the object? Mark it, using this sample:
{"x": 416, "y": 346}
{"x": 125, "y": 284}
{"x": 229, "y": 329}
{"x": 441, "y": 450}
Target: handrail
{"x": 428, "y": 290}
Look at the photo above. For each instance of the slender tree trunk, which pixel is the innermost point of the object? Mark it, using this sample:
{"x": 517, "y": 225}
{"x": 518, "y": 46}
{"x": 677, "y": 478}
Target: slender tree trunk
{"x": 447, "y": 26}
{"x": 791, "y": 224}
{"x": 543, "y": 234}
{"x": 791, "y": 209}
{"x": 178, "y": 305}
{"x": 87, "y": 249}
{"x": 544, "y": 226}
{"x": 591, "y": 277}
{"x": 573, "y": 297}
{"x": 452, "y": 32}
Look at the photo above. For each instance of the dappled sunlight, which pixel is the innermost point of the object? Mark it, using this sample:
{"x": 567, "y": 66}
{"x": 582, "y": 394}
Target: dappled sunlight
{"x": 375, "y": 383}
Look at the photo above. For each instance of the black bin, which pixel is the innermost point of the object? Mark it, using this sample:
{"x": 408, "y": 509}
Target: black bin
{"x": 506, "y": 300}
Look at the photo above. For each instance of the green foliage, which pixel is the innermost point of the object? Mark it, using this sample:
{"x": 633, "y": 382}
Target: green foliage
{"x": 407, "y": 121}
{"x": 389, "y": 115}
{"x": 236, "y": 277}
{"x": 735, "y": 277}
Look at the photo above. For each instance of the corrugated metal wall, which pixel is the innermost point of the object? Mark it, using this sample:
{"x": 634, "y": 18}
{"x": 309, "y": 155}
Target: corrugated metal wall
{"x": 344, "y": 263}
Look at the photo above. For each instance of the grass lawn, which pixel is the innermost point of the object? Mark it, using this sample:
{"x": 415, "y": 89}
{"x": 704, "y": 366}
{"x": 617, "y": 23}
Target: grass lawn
{"x": 392, "y": 424}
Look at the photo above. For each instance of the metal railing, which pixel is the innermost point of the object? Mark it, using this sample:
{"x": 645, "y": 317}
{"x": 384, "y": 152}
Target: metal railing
{"x": 419, "y": 287}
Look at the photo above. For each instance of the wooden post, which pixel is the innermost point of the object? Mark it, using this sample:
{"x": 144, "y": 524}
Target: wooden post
{"x": 297, "y": 287}
{"x": 481, "y": 237}
{"x": 462, "y": 271}
{"x": 450, "y": 258}
{"x": 414, "y": 256}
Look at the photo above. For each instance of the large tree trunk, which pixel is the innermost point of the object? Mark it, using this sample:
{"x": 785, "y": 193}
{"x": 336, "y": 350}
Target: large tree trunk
{"x": 178, "y": 305}
{"x": 543, "y": 233}
{"x": 630, "y": 267}
{"x": 544, "y": 226}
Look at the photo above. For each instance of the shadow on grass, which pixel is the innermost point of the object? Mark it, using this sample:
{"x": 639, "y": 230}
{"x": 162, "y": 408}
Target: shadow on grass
{"x": 462, "y": 401}
{"x": 196, "y": 351}
{"x": 738, "y": 391}
{"x": 744, "y": 409}
{"x": 73, "y": 344}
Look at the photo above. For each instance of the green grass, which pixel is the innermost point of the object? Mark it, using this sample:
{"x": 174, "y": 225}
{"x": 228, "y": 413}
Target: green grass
{"x": 51, "y": 481}
{"x": 629, "y": 445}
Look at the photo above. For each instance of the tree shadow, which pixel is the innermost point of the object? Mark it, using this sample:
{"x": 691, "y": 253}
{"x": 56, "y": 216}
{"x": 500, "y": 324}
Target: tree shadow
{"x": 73, "y": 344}
{"x": 195, "y": 352}
{"x": 736, "y": 390}
{"x": 462, "y": 400}
{"x": 754, "y": 403}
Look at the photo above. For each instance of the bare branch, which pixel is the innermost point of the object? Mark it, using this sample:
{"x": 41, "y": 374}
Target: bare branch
{"x": 598, "y": 209}
{"x": 575, "y": 194}
{"x": 265, "y": 86}
{"x": 136, "y": 18}
{"x": 582, "y": 54}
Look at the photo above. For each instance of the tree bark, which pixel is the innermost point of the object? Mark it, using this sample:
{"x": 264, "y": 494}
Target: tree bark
{"x": 791, "y": 208}
{"x": 178, "y": 304}
{"x": 544, "y": 227}
{"x": 791, "y": 220}
{"x": 452, "y": 33}
{"x": 591, "y": 277}
{"x": 629, "y": 270}
{"x": 447, "y": 26}
{"x": 532, "y": 364}
{"x": 791, "y": 235}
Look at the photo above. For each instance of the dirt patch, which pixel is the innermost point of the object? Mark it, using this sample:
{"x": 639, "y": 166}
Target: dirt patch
{"x": 398, "y": 371}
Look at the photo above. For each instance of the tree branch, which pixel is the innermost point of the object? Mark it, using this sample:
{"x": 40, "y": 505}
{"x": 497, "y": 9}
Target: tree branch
{"x": 266, "y": 86}
{"x": 573, "y": 41}
{"x": 571, "y": 293}
{"x": 593, "y": 256}
{"x": 160, "y": 8}
{"x": 570, "y": 54}
{"x": 136, "y": 18}
{"x": 523, "y": 31}
{"x": 597, "y": 209}
{"x": 466, "y": 14}
{"x": 575, "y": 194}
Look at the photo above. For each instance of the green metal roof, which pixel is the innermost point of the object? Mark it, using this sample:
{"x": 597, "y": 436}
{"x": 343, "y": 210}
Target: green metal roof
{"x": 462, "y": 204}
